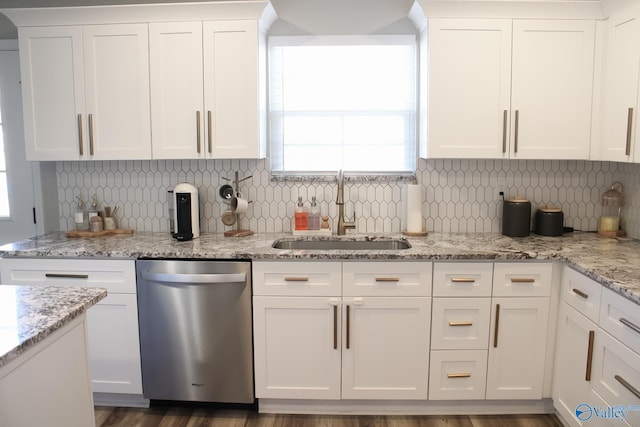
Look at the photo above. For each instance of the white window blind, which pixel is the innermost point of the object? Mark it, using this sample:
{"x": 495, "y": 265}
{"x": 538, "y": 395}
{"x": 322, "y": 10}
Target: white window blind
{"x": 342, "y": 103}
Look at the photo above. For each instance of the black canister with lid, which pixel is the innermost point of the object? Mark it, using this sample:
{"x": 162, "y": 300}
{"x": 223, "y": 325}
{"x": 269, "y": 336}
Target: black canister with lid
{"x": 516, "y": 217}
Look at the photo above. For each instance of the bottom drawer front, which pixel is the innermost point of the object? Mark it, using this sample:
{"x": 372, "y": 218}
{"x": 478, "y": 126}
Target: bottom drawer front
{"x": 617, "y": 371}
{"x": 457, "y": 375}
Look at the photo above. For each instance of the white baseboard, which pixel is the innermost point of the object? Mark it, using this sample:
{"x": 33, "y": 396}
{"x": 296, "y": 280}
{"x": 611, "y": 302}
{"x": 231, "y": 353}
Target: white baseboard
{"x": 124, "y": 400}
{"x": 388, "y": 407}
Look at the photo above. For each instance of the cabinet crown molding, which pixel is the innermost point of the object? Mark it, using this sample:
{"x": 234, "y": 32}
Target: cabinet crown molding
{"x": 526, "y": 9}
{"x": 140, "y": 13}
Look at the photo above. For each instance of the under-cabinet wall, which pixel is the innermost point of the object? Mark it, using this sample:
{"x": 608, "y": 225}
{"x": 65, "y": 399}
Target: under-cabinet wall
{"x": 459, "y": 195}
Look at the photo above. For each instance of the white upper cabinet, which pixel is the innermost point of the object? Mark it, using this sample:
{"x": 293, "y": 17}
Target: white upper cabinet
{"x": 208, "y": 96}
{"x": 622, "y": 70}
{"x": 552, "y": 89}
{"x": 502, "y": 88}
{"x": 469, "y": 78}
{"x": 86, "y": 92}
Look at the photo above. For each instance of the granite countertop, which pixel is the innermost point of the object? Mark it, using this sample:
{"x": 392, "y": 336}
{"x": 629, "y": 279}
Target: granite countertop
{"x": 613, "y": 262}
{"x": 30, "y": 314}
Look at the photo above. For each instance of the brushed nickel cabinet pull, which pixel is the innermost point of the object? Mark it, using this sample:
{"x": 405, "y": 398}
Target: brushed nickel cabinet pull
{"x": 387, "y": 279}
{"x": 631, "y": 325}
{"x": 296, "y": 279}
{"x": 80, "y": 137}
{"x": 579, "y": 293}
{"x": 497, "y": 327}
{"x": 460, "y": 323}
{"x": 91, "y": 134}
{"x": 209, "y": 132}
{"x": 504, "y": 131}
{"x": 66, "y": 276}
{"x": 459, "y": 375}
{"x": 348, "y": 339}
{"x": 587, "y": 376}
{"x": 522, "y": 280}
{"x": 628, "y": 386}
{"x": 515, "y": 138}
{"x": 463, "y": 280}
{"x": 198, "y": 133}
{"x": 335, "y": 327}
{"x": 627, "y": 150}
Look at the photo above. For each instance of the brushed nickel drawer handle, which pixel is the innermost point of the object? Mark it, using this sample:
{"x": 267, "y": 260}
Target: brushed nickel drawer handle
{"x": 459, "y": 375}
{"x": 66, "y": 276}
{"x": 348, "y": 327}
{"x": 80, "y": 137}
{"x": 517, "y": 126}
{"x": 296, "y": 279}
{"x": 522, "y": 280}
{"x": 387, "y": 279}
{"x": 209, "y": 132}
{"x": 463, "y": 280}
{"x": 628, "y": 386}
{"x": 587, "y": 376}
{"x": 631, "y": 325}
{"x": 91, "y": 134}
{"x": 460, "y": 323}
{"x": 579, "y": 293}
{"x": 335, "y": 327}
{"x": 627, "y": 149}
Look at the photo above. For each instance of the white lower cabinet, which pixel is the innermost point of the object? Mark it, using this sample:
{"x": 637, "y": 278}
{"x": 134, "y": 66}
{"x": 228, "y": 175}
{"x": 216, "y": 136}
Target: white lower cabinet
{"x": 114, "y": 346}
{"x": 335, "y": 347}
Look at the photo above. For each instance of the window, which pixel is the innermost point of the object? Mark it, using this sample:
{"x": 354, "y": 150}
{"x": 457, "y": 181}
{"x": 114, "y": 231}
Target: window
{"x": 4, "y": 193}
{"x": 342, "y": 103}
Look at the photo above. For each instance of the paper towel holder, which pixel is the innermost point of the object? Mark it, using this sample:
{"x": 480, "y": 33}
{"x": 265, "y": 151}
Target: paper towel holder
{"x": 415, "y": 233}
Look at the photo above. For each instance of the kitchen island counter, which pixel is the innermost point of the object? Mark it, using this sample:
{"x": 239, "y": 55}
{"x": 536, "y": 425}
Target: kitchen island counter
{"x": 615, "y": 263}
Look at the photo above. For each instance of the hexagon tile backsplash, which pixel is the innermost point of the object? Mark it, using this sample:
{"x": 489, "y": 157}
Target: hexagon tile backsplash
{"x": 459, "y": 195}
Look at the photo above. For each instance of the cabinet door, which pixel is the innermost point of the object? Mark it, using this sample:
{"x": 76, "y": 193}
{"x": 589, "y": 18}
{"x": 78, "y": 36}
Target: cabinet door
{"x": 117, "y": 89}
{"x": 621, "y": 87}
{"x": 235, "y": 94}
{"x": 297, "y": 347}
{"x": 552, "y": 88}
{"x": 386, "y": 348}
{"x": 573, "y": 363}
{"x": 469, "y": 88}
{"x": 177, "y": 117}
{"x": 114, "y": 345}
{"x": 53, "y": 94}
{"x": 517, "y": 347}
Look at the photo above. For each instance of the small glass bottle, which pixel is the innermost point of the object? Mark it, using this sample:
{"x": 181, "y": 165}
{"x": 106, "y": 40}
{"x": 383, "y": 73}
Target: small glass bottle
{"x": 314, "y": 215}
{"x": 301, "y": 216}
{"x": 80, "y": 217}
{"x": 95, "y": 206}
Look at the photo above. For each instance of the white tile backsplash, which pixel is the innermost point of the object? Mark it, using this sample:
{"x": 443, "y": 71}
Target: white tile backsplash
{"x": 459, "y": 195}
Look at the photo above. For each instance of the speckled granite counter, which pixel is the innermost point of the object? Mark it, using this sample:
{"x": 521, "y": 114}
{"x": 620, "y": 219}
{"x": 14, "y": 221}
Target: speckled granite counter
{"x": 614, "y": 263}
{"x": 29, "y": 314}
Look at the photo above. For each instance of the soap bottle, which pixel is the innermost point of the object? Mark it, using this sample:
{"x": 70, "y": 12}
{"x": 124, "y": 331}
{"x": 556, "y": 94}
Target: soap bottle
{"x": 94, "y": 207}
{"x": 80, "y": 217}
{"x": 301, "y": 216}
{"x": 314, "y": 215}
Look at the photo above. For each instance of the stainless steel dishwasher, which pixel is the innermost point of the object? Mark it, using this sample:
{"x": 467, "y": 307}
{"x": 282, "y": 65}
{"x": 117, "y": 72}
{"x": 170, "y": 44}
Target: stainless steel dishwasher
{"x": 196, "y": 330}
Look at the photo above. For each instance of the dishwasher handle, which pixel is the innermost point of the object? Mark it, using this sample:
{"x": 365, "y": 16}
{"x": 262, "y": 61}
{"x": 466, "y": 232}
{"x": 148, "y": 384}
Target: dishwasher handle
{"x": 195, "y": 278}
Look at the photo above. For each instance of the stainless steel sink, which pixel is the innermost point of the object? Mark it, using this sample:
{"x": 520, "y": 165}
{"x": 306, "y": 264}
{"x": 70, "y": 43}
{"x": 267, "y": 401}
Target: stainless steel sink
{"x": 343, "y": 245}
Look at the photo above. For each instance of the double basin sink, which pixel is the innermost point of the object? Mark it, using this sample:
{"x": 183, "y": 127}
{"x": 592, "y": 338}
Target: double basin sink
{"x": 342, "y": 245}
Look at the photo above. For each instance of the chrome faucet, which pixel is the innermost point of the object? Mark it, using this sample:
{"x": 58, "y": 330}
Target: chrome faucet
{"x": 342, "y": 224}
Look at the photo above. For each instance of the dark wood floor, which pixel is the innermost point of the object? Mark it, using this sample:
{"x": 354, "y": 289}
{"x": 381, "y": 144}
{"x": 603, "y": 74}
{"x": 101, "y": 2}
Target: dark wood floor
{"x": 198, "y": 416}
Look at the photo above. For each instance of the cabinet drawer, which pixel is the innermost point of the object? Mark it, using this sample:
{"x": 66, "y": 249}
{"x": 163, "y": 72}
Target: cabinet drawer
{"x": 616, "y": 371}
{"x": 117, "y": 276}
{"x": 521, "y": 279}
{"x": 386, "y": 278}
{"x": 460, "y": 323}
{"x": 297, "y": 278}
{"x": 581, "y": 293}
{"x": 457, "y": 279}
{"x": 458, "y": 375}
{"x": 621, "y": 318}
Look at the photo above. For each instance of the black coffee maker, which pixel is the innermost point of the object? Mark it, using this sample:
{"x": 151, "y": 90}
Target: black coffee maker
{"x": 186, "y": 212}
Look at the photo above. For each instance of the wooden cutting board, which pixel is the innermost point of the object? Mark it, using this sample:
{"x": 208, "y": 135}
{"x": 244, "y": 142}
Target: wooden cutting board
{"x": 78, "y": 233}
